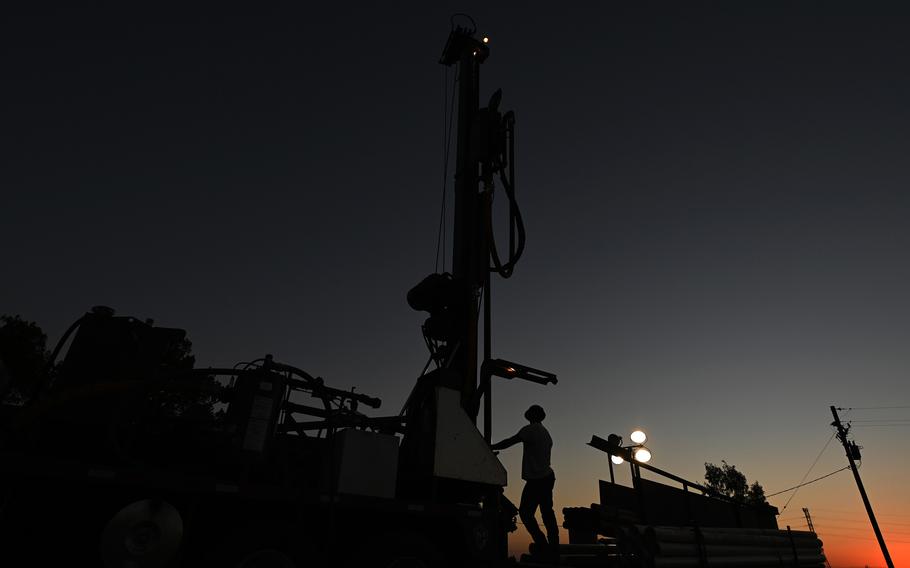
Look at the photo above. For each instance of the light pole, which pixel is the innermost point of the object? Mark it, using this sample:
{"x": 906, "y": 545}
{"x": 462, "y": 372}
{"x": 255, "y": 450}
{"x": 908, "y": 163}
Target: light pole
{"x": 634, "y": 453}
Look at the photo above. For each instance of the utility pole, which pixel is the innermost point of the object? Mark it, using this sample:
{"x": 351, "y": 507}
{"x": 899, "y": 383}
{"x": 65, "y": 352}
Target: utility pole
{"x": 808, "y": 519}
{"x": 852, "y": 451}
{"x": 812, "y": 530}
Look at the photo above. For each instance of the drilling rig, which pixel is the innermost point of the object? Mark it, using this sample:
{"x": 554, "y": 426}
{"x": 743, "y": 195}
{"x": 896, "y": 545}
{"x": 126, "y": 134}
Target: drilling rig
{"x": 131, "y": 457}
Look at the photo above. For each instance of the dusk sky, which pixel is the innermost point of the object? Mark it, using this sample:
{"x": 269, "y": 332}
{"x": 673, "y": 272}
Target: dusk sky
{"x": 715, "y": 194}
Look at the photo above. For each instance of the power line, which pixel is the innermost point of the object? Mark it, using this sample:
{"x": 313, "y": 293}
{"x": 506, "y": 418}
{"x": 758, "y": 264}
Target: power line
{"x": 825, "y": 521}
{"x": 874, "y": 408}
{"x": 807, "y": 483}
{"x": 826, "y": 533}
{"x": 891, "y": 534}
{"x": 886, "y": 523}
{"x": 851, "y": 513}
{"x": 818, "y": 457}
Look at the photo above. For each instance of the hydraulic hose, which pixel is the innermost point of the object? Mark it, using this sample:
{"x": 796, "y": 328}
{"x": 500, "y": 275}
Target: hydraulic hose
{"x": 516, "y": 223}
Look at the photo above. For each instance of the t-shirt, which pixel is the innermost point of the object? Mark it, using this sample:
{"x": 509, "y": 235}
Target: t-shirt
{"x": 535, "y": 461}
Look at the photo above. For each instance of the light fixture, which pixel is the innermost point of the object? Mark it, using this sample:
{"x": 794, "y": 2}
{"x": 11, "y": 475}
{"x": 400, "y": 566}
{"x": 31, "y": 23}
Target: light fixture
{"x": 642, "y": 455}
{"x": 486, "y": 39}
{"x": 512, "y": 370}
{"x": 617, "y": 460}
{"x": 638, "y": 437}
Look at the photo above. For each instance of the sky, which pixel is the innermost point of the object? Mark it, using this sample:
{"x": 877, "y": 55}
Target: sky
{"x": 715, "y": 195}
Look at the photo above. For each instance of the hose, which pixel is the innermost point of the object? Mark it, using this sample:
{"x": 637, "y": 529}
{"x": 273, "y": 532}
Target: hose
{"x": 516, "y": 223}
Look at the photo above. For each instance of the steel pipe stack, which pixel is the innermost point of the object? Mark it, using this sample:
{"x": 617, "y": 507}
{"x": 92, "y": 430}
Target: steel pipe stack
{"x": 680, "y": 547}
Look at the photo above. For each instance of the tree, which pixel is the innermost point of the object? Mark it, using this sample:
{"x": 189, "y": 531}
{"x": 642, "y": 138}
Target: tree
{"x": 180, "y": 356}
{"x": 23, "y": 358}
{"x": 727, "y": 480}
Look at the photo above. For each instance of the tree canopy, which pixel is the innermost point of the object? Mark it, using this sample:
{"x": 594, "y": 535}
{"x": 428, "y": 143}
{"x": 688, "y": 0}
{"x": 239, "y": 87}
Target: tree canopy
{"x": 727, "y": 480}
{"x": 23, "y": 357}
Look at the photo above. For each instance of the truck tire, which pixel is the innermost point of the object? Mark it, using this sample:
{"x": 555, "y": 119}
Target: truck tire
{"x": 145, "y": 533}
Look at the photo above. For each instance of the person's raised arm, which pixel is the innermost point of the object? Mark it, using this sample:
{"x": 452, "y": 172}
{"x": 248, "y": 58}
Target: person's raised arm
{"x": 508, "y": 442}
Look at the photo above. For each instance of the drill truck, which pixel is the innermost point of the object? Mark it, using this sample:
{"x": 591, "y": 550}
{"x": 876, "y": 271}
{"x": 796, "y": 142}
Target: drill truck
{"x": 129, "y": 456}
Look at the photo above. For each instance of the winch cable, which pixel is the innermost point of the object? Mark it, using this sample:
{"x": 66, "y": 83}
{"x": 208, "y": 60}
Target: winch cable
{"x": 448, "y": 113}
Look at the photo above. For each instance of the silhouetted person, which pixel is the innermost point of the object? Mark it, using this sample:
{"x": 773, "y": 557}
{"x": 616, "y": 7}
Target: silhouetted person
{"x": 539, "y": 480}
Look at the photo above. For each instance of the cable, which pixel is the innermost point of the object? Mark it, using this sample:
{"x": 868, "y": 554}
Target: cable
{"x": 818, "y": 457}
{"x": 516, "y": 223}
{"x": 824, "y": 532}
{"x": 445, "y": 162}
{"x": 873, "y": 407}
{"x": 884, "y": 524}
{"x": 806, "y": 483}
{"x": 448, "y": 113}
{"x": 798, "y": 525}
{"x": 844, "y": 512}
{"x": 792, "y": 521}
